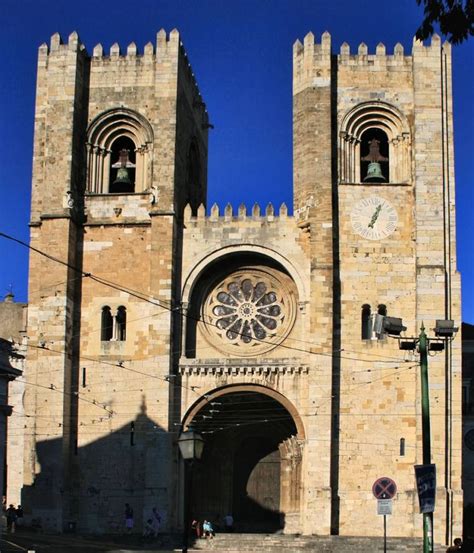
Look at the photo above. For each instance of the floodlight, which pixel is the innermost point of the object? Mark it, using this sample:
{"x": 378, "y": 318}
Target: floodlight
{"x": 408, "y": 345}
{"x": 445, "y": 328}
{"x": 436, "y": 346}
{"x": 393, "y": 325}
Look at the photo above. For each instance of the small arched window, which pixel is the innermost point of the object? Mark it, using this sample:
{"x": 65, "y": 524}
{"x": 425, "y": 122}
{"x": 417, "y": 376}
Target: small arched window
{"x": 382, "y": 310}
{"x": 122, "y": 168}
{"x": 374, "y": 156}
{"x": 113, "y": 327}
{"x": 121, "y": 324}
{"x": 366, "y": 322}
{"x": 107, "y": 325}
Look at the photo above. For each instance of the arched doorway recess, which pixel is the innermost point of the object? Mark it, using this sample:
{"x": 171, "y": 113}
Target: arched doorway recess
{"x": 251, "y": 465}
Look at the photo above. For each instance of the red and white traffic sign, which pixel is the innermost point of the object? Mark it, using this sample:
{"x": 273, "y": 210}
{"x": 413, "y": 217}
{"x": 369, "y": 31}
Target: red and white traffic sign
{"x": 384, "y": 488}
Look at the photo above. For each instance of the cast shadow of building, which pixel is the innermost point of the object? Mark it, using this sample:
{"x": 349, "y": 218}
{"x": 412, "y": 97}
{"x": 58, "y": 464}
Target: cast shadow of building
{"x": 84, "y": 488}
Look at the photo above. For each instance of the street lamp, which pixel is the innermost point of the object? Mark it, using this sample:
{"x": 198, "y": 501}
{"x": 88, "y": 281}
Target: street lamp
{"x": 190, "y": 445}
{"x": 444, "y": 330}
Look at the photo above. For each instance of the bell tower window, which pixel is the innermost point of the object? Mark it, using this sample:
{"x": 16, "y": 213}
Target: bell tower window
{"x": 122, "y": 169}
{"x": 374, "y": 145}
{"x": 374, "y": 160}
{"x": 119, "y": 153}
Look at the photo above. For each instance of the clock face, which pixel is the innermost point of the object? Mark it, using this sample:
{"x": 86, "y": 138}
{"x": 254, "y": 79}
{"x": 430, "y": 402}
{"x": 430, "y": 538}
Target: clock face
{"x": 374, "y": 218}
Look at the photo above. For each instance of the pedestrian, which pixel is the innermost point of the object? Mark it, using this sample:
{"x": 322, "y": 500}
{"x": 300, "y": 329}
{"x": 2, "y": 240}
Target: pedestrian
{"x": 148, "y": 531}
{"x": 196, "y": 528}
{"x": 10, "y": 513}
{"x": 156, "y": 521}
{"x": 229, "y": 523}
{"x": 19, "y": 516}
{"x": 457, "y": 544}
{"x": 208, "y": 530}
{"x": 128, "y": 518}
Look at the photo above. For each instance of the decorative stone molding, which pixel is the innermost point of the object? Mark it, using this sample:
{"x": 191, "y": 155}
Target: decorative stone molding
{"x": 207, "y": 369}
{"x": 292, "y": 450}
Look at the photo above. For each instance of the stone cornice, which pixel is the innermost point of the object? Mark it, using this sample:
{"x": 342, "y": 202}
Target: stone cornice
{"x": 212, "y": 368}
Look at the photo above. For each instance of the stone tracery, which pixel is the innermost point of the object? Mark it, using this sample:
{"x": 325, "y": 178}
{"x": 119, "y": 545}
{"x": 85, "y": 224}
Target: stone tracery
{"x": 249, "y": 311}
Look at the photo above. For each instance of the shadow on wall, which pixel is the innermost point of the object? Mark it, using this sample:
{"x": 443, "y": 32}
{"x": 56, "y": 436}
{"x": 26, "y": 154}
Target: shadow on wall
{"x": 129, "y": 464}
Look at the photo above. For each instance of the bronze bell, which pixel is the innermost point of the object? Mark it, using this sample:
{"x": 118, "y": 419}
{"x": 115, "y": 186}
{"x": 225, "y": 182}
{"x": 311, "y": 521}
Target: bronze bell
{"x": 122, "y": 182}
{"x": 374, "y": 172}
{"x": 122, "y": 176}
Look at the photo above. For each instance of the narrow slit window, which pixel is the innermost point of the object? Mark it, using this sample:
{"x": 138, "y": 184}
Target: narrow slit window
{"x": 107, "y": 325}
{"x": 366, "y": 323}
{"x": 382, "y": 310}
{"x": 121, "y": 324}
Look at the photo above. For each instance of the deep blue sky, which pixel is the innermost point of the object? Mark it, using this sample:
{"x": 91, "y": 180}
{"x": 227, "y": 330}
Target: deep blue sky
{"x": 241, "y": 53}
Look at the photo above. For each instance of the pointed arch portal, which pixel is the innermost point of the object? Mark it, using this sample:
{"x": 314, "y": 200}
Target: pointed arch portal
{"x": 251, "y": 465}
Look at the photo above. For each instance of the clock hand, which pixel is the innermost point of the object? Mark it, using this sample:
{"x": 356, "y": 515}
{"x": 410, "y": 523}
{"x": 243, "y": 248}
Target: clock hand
{"x": 375, "y": 216}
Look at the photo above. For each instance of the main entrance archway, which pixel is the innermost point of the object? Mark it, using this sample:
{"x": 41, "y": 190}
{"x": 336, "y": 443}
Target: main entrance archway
{"x": 252, "y": 456}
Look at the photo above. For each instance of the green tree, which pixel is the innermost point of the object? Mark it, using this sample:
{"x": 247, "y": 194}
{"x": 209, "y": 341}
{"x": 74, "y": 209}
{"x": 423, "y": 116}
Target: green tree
{"x": 454, "y": 17}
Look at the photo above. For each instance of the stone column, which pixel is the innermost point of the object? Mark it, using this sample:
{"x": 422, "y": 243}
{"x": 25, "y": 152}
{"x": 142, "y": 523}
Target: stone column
{"x": 291, "y": 452}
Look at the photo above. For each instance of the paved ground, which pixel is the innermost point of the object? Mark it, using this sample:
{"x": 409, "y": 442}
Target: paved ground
{"x": 43, "y": 543}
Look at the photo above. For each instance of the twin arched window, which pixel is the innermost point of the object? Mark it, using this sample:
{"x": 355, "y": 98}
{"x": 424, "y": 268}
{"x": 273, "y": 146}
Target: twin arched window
{"x": 119, "y": 153}
{"x": 366, "y": 320}
{"x": 113, "y": 325}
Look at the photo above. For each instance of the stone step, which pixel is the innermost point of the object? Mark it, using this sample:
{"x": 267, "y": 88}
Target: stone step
{"x": 257, "y": 543}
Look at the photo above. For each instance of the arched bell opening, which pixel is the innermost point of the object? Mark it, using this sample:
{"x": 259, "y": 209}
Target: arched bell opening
{"x": 251, "y": 464}
{"x": 374, "y": 156}
{"x": 123, "y": 166}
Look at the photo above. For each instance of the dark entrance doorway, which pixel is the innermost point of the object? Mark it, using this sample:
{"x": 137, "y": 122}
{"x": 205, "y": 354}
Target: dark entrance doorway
{"x": 240, "y": 472}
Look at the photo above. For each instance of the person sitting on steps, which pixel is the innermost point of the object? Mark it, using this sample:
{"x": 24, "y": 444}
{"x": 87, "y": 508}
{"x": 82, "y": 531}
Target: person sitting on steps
{"x": 208, "y": 530}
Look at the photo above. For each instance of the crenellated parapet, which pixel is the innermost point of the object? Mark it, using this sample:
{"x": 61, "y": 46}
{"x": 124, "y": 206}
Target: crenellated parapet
{"x": 312, "y": 59}
{"x": 255, "y": 213}
{"x": 312, "y": 62}
{"x": 134, "y": 66}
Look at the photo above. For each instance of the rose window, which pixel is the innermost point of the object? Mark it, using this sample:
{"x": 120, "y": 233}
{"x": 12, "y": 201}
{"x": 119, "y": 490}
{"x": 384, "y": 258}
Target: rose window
{"x": 247, "y": 311}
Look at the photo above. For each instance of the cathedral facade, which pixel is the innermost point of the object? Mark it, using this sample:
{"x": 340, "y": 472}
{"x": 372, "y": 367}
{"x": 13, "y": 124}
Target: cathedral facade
{"x": 150, "y": 314}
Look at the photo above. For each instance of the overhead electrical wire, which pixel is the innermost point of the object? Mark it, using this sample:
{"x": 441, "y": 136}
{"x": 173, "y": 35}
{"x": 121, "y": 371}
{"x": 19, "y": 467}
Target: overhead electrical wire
{"x": 159, "y": 303}
{"x": 145, "y": 297}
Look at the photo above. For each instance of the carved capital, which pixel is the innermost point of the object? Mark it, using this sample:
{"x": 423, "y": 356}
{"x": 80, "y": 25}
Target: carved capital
{"x": 291, "y": 450}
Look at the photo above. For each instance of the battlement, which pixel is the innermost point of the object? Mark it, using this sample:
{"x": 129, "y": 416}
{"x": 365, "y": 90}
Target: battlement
{"x": 312, "y": 60}
{"x": 255, "y": 214}
{"x": 168, "y": 47}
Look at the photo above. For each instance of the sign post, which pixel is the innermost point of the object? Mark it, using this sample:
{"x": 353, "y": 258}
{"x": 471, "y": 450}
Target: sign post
{"x": 384, "y": 490}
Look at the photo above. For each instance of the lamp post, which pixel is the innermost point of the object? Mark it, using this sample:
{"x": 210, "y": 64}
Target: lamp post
{"x": 444, "y": 331}
{"x": 426, "y": 432}
{"x": 190, "y": 445}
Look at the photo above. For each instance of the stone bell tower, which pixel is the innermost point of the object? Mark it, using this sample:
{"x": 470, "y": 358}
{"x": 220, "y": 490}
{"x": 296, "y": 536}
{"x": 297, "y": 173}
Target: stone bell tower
{"x": 120, "y": 147}
{"x": 374, "y": 182}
